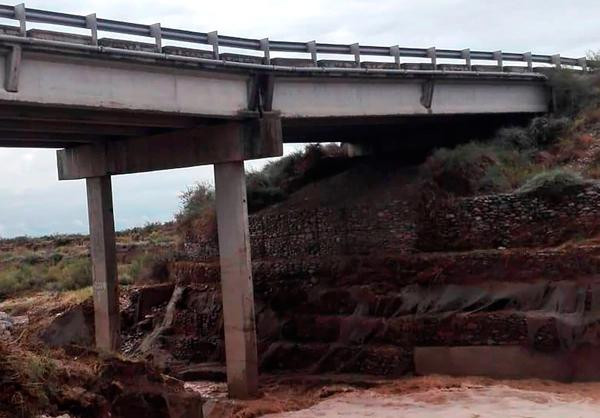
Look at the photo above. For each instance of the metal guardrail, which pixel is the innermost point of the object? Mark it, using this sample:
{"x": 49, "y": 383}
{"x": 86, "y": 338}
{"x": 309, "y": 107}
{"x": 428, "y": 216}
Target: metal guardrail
{"x": 94, "y": 24}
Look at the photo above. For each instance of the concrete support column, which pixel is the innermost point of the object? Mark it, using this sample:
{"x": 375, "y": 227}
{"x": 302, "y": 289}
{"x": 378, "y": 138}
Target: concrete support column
{"x": 104, "y": 262}
{"x": 358, "y": 149}
{"x": 236, "y": 280}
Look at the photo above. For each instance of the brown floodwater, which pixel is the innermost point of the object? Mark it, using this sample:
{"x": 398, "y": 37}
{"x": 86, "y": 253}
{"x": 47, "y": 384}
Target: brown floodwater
{"x": 469, "y": 402}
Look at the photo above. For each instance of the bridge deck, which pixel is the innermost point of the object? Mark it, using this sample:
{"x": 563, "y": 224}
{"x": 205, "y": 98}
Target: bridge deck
{"x": 69, "y": 92}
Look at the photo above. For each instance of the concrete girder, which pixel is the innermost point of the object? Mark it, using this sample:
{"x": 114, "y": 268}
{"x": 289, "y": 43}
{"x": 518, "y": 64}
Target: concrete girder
{"x": 303, "y": 98}
{"x": 97, "y": 118}
{"x": 45, "y": 79}
{"x": 59, "y": 127}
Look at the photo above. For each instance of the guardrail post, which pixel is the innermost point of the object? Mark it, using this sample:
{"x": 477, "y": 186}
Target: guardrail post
{"x": 582, "y": 62}
{"x": 355, "y": 50}
{"x": 92, "y": 24}
{"x": 527, "y": 57}
{"x": 556, "y": 60}
{"x": 213, "y": 39}
{"x": 312, "y": 48}
{"x": 498, "y": 58}
{"x": 432, "y": 54}
{"x": 466, "y": 55}
{"x": 395, "y": 52}
{"x": 20, "y": 15}
{"x": 264, "y": 45}
{"x": 156, "y": 32}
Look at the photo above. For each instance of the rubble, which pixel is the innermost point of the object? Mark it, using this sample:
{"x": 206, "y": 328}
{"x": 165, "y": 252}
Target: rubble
{"x": 7, "y": 323}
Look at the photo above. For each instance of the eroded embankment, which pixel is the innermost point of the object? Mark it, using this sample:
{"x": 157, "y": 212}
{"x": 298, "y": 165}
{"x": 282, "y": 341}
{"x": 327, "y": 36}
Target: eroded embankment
{"x": 368, "y": 315}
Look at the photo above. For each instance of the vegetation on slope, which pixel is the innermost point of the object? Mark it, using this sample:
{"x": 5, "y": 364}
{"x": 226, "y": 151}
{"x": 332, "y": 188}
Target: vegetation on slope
{"x": 61, "y": 262}
{"x": 270, "y": 185}
{"x": 516, "y": 154}
{"x": 593, "y": 59}
{"x": 553, "y": 183}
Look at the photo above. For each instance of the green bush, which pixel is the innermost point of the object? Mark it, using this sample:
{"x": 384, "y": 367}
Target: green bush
{"x": 545, "y": 131}
{"x": 281, "y": 177}
{"x": 69, "y": 274}
{"x": 272, "y": 184}
{"x": 262, "y": 190}
{"x": 593, "y": 58}
{"x": 515, "y": 138}
{"x": 553, "y": 183}
{"x": 573, "y": 91}
{"x": 196, "y": 201}
{"x": 32, "y": 259}
{"x": 541, "y": 132}
{"x": 15, "y": 280}
{"x": 149, "y": 268}
{"x": 465, "y": 170}
{"x": 56, "y": 275}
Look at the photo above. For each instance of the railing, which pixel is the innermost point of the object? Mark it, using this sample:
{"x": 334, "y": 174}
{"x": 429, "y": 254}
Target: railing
{"x": 94, "y": 24}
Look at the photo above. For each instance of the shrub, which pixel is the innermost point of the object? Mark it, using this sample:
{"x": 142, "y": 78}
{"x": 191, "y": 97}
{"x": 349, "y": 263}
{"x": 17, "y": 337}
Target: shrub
{"x": 541, "y": 132}
{"x": 272, "y": 184}
{"x": 197, "y": 215}
{"x": 32, "y": 259}
{"x": 149, "y": 268}
{"x": 262, "y": 190}
{"x": 573, "y": 91}
{"x": 279, "y": 178}
{"x": 553, "y": 183}
{"x": 515, "y": 137}
{"x": 16, "y": 280}
{"x": 545, "y": 131}
{"x": 69, "y": 274}
{"x": 196, "y": 200}
{"x": 465, "y": 170}
{"x": 593, "y": 58}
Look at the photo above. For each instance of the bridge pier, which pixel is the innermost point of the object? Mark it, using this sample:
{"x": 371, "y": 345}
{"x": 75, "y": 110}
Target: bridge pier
{"x": 236, "y": 280}
{"x": 104, "y": 262}
{"x": 226, "y": 144}
{"x": 357, "y": 149}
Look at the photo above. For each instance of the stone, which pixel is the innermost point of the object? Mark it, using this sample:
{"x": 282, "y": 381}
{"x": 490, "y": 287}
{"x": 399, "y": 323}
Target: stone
{"x": 74, "y": 326}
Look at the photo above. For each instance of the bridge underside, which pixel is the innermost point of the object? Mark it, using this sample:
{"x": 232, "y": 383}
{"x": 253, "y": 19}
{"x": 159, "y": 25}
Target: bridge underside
{"x": 29, "y": 126}
{"x": 114, "y": 114}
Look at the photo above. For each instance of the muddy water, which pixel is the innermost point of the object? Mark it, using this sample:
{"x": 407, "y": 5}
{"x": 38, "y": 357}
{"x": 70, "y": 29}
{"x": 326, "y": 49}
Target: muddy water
{"x": 467, "y": 402}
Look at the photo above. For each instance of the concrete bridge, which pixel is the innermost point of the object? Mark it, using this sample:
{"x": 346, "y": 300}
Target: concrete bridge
{"x": 114, "y": 106}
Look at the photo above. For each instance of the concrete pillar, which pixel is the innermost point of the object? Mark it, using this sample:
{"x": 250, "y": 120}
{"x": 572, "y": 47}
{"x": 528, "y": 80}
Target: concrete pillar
{"x": 104, "y": 262}
{"x": 236, "y": 280}
{"x": 358, "y": 149}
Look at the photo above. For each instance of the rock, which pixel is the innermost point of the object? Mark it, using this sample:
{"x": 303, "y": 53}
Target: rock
{"x": 74, "y": 326}
{"x": 20, "y": 320}
{"x": 6, "y": 324}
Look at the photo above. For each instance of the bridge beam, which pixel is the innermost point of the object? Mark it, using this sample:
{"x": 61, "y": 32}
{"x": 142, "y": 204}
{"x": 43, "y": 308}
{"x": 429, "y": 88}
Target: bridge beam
{"x": 210, "y": 144}
{"x": 236, "y": 280}
{"x": 104, "y": 263}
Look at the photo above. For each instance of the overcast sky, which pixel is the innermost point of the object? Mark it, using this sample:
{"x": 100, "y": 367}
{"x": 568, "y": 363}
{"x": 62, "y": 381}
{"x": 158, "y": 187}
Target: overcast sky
{"x": 33, "y": 202}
